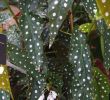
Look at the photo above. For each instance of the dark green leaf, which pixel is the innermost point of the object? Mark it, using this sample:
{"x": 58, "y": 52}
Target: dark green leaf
{"x": 101, "y": 85}
{"x": 32, "y": 27}
{"x": 20, "y": 58}
{"x": 90, "y": 6}
{"x": 105, "y": 32}
{"x": 79, "y": 57}
{"x": 57, "y": 11}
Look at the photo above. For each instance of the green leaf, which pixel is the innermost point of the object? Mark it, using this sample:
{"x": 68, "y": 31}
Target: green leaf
{"x": 87, "y": 27}
{"x": 20, "y": 58}
{"x": 105, "y": 32}
{"x": 32, "y": 27}
{"x": 101, "y": 85}
{"x": 57, "y": 11}
{"x": 35, "y": 87}
{"x": 79, "y": 57}
{"x": 56, "y": 80}
{"x": 90, "y": 6}
{"x": 67, "y": 81}
{"x": 4, "y": 95}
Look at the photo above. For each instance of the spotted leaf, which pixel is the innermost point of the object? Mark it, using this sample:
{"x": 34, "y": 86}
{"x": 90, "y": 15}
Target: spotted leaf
{"x": 32, "y": 28}
{"x": 35, "y": 87}
{"x": 21, "y": 59}
{"x": 56, "y": 80}
{"x": 38, "y": 7}
{"x": 57, "y": 11}
{"x": 105, "y": 32}
{"x": 79, "y": 57}
{"x": 67, "y": 81}
{"x": 101, "y": 85}
{"x": 4, "y": 95}
{"x": 86, "y": 28}
{"x": 90, "y": 6}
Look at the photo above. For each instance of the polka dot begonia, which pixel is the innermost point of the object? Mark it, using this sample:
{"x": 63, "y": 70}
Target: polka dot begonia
{"x": 79, "y": 57}
{"x": 90, "y": 7}
{"x": 101, "y": 85}
{"x": 105, "y": 32}
{"x": 57, "y": 11}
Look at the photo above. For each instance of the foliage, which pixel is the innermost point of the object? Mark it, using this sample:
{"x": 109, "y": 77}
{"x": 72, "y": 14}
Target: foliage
{"x": 52, "y": 40}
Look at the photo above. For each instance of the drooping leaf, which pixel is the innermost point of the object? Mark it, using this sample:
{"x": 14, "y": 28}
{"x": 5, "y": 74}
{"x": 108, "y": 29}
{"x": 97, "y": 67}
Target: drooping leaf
{"x": 35, "y": 87}
{"x": 20, "y": 58}
{"x": 101, "y": 85}
{"x": 105, "y": 32}
{"x": 57, "y": 11}
{"x": 31, "y": 26}
{"x": 79, "y": 57}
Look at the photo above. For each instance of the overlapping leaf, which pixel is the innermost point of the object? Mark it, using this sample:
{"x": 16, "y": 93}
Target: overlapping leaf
{"x": 56, "y": 80}
{"x": 31, "y": 26}
{"x": 35, "y": 88}
{"x": 79, "y": 57}
{"x": 90, "y": 6}
{"x": 67, "y": 81}
{"x": 38, "y": 7}
{"x": 57, "y": 11}
{"x": 87, "y": 27}
{"x": 101, "y": 85}
{"x": 105, "y": 32}
{"x": 20, "y": 58}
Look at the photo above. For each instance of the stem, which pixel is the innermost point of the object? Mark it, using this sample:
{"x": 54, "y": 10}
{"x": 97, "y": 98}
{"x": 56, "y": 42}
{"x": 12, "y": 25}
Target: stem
{"x": 71, "y": 20}
{"x": 65, "y": 32}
